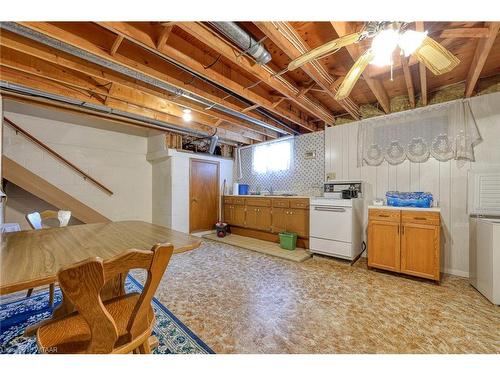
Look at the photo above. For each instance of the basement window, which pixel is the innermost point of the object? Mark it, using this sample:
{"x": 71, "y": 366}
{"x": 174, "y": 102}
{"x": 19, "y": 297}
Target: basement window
{"x": 272, "y": 157}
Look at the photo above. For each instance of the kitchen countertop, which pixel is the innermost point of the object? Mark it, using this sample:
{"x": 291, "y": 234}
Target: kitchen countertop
{"x": 432, "y": 209}
{"x": 269, "y": 196}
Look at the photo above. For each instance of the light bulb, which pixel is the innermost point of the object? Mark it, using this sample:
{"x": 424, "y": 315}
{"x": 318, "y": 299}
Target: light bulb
{"x": 187, "y": 116}
{"x": 410, "y": 40}
{"x": 383, "y": 46}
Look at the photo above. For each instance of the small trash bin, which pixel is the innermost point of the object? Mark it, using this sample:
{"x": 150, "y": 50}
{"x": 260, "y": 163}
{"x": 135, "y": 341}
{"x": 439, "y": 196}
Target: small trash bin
{"x": 288, "y": 241}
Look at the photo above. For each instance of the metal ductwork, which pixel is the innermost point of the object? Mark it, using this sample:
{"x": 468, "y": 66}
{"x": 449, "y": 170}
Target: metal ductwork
{"x": 243, "y": 40}
{"x": 51, "y": 42}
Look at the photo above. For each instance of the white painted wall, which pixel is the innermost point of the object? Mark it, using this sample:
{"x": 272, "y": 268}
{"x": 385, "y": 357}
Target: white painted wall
{"x": 171, "y": 183}
{"x": 445, "y": 180}
{"x": 116, "y": 159}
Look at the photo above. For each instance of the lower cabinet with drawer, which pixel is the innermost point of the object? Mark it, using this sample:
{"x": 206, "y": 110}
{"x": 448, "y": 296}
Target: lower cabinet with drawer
{"x": 405, "y": 241}
{"x": 264, "y": 218}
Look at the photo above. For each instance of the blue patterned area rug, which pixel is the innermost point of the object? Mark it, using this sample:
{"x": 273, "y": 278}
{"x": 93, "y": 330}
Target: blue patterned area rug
{"x": 173, "y": 336}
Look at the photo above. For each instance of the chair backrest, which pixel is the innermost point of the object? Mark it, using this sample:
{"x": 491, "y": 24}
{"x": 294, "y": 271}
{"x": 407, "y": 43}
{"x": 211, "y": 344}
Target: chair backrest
{"x": 36, "y": 219}
{"x": 83, "y": 281}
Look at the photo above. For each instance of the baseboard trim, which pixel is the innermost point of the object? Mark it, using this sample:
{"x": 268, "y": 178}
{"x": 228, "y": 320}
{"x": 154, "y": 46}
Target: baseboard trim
{"x": 456, "y": 272}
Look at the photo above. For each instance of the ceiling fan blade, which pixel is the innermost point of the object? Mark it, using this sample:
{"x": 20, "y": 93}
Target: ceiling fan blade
{"x": 435, "y": 57}
{"x": 353, "y": 75}
{"x": 323, "y": 50}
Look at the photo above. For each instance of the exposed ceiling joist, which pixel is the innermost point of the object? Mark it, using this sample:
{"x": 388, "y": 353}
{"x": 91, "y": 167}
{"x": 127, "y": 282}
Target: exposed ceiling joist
{"x": 465, "y": 32}
{"x": 14, "y": 42}
{"x": 42, "y": 69}
{"x": 289, "y": 41}
{"x": 141, "y": 67}
{"x": 482, "y": 51}
{"x": 419, "y": 26}
{"x": 163, "y": 38}
{"x": 146, "y": 41}
{"x": 408, "y": 82}
{"x": 55, "y": 88}
{"x": 264, "y": 73}
{"x": 116, "y": 44}
{"x": 375, "y": 85}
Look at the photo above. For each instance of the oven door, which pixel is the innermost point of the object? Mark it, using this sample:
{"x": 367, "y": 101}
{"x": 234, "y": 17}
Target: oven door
{"x": 331, "y": 222}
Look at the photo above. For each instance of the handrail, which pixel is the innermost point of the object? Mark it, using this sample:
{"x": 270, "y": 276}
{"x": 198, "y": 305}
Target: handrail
{"x": 57, "y": 156}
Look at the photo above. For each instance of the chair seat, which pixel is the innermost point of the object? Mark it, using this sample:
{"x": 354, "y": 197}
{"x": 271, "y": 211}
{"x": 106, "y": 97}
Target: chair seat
{"x": 71, "y": 334}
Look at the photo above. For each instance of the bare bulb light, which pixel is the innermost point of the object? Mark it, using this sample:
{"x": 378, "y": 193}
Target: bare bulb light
{"x": 186, "y": 115}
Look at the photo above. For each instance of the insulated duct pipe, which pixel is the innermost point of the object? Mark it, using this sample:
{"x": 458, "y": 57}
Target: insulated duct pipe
{"x": 243, "y": 40}
{"x": 54, "y": 43}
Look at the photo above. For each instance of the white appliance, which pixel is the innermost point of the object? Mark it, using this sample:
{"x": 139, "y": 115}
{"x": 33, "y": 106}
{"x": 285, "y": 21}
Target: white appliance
{"x": 484, "y": 256}
{"x": 484, "y": 232}
{"x": 335, "y": 224}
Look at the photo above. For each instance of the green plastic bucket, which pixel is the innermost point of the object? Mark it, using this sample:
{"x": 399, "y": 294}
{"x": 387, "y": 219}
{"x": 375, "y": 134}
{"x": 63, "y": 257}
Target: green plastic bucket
{"x": 288, "y": 241}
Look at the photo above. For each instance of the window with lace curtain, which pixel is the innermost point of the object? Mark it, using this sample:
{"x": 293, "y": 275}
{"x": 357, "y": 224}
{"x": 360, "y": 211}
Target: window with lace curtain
{"x": 272, "y": 157}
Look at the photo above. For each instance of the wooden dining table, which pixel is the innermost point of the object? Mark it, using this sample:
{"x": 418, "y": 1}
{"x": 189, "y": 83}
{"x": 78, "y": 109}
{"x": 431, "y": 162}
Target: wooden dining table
{"x": 30, "y": 259}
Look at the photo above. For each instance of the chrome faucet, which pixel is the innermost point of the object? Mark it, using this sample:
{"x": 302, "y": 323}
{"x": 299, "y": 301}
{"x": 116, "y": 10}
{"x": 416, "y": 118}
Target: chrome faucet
{"x": 271, "y": 190}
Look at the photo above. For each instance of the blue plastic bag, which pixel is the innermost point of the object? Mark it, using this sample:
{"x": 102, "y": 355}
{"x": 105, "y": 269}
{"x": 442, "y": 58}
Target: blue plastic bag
{"x": 409, "y": 199}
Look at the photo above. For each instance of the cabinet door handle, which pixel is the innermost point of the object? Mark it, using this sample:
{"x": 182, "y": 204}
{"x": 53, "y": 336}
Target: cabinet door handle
{"x": 398, "y": 229}
{"x": 420, "y": 218}
{"x": 381, "y": 215}
{"x": 403, "y": 229}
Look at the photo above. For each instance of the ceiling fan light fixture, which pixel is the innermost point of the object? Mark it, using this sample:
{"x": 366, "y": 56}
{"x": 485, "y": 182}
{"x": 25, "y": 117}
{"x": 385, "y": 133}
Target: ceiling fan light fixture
{"x": 410, "y": 40}
{"x": 383, "y": 46}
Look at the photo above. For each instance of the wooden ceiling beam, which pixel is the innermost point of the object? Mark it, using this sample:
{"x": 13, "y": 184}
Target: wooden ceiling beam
{"x": 116, "y": 44}
{"x": 375, "y": 85}
{"x": 408, "y": 81}
{"x": 291, "y": 43}
{"x": 163, "y": 38}
{"x": 48, "y": 54}
{"x": 141, "y": 67}
{"x": 465, "y": 32}
{"x": 144, "y": 40}
{"x": 42, "y": 69}
{"x": 263, "y": 73}
{"x": 48, "y": 86}
{"x": 419, "y": 26}
{"x": 480, "y": 55}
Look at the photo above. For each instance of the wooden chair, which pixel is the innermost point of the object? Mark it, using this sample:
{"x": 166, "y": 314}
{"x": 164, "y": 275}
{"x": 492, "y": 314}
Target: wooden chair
{"x": 35, "y": 220}
{"x": 120, "y": 325}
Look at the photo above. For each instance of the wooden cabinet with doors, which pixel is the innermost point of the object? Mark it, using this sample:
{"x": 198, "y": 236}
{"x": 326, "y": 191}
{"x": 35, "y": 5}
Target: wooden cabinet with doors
{"x": 405, "y": 241}
{"x": 265, "y": 217}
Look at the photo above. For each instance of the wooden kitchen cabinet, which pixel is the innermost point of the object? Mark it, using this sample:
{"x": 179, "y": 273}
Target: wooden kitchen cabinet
{"x": 258, "y": 218}
{"x": 384, "y": 245}
{"x": 405, "y": 241}
{"x": 239, "y": 216}
{"x": 420, "y": 250}
{"x": 264, "y": 217}
{"x": 279, "y": 219}
{"x": 298, "y": 222}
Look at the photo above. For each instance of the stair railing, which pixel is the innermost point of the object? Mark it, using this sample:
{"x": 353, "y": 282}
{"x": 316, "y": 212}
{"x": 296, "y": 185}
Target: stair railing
{"x": 57, "y": 155}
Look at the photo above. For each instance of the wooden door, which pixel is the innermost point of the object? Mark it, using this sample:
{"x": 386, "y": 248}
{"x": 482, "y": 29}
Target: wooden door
{"x": 298, "y": 222}
{"x": 420, "y": 245}
{"x": 384, "y": 245}
{"x": 239, "y": 216}
{"x": 203, "y": 194}
{"x": 279, "y": 219}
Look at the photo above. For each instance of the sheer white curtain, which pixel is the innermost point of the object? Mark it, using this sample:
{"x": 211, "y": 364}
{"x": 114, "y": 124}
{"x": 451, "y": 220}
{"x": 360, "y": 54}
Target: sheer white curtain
{"x": 443, "y": 131}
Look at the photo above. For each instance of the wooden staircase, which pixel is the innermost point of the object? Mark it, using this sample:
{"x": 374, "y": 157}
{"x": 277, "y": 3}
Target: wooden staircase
{"x": 43, "y": 189}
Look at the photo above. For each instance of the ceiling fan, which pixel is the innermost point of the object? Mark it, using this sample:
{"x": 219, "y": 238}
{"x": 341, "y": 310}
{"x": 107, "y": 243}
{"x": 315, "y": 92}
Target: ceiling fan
{"x": 387, "y": 36}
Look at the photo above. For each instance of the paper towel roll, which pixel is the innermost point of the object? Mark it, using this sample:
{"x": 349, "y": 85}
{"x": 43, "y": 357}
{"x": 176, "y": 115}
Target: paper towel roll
{"x": 235, "y": 188}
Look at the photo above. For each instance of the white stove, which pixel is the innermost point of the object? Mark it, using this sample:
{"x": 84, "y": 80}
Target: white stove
{"x": 335, "y": 225}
